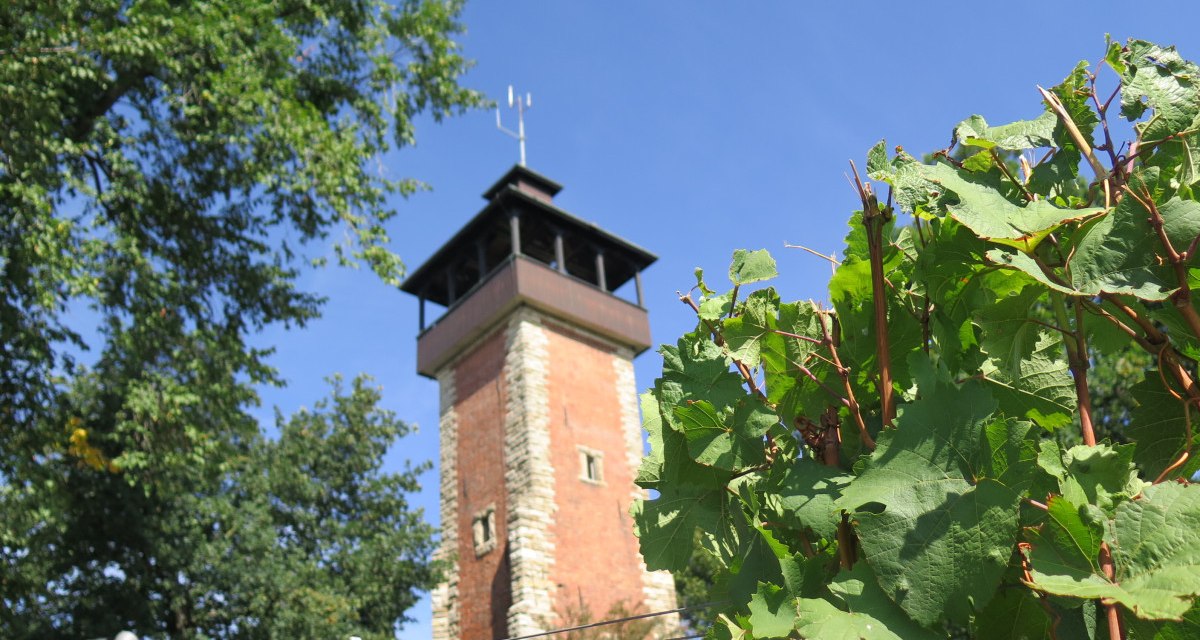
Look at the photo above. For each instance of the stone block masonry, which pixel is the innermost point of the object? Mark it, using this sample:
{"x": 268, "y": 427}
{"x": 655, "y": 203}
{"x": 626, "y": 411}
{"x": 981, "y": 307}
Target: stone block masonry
{"x": 524, "y": 409}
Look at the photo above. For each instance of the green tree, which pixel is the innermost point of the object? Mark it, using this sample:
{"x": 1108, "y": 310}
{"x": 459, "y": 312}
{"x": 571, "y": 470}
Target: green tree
{"x": 296, "y": 537}
{"x": 164, "y": 168}
{"x": 897, "y": 466}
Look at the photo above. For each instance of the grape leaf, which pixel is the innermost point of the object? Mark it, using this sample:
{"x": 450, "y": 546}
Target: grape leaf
{"x": 991, "y": 216}
{"x": 1015, "y": 136}
{"x": 1159, "y": 427}
{"x": 752, "y": 266}
{"x": 858, "y": 591}
{"x": 1158, "y": 78}
{"x": 1041, "y": 387}
{"x": 1156, "y": 549}
{"x": 665, "y": 525}
{"x": 818, "y": 619}
{"x": 1009, "y": 333}
{"x": 1120, "y": 252}
{"x": 804, "y": 496}
{"x": 772, "y": 612}
{"x": 935, "y": 529}
{"x": 752, "y": 328}
{"x": 1014, "y": 614}
{"x": 729, "y": 438}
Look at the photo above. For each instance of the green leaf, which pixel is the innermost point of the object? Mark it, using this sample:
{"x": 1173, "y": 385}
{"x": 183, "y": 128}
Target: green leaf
{"x": 772, "y": 612}
{"x": 792, "y": 392}
{"x": 665, "y": 525}
{"x": 1009, "y": 331}
{"x": 1014, "y": 614}
{"x": 1156, "y": 549}
{"x": 758, "y": 558}
{"x": 715, "y": 307}
{"x": 697, "y": 369}
{"x": 1158, "y": 78}
{"x": 819, "y": 620}
{"x": 754, "y": 325}
{"x": 1041, "y": 387}
{"x": 1015, "y": 136}
{"x": 730, "y": 438}
{"x": 936, "y": 530}
{"x": 878, "y": 166}
{"x": 1012, "y": 453}
{"x": 803, "y": 496}
{"x": 992, "y": 216}
{"x": 1186, "y": 629}
{"x": 1158, "y": 424}
{"x": 1023, "y": 263}
{"x": 858, "y": 591}
{"x": 1101, "y": 475}
{"x": 670, "y": 460}
{"x": 1120, "y": 253}
{"x": 751, "y": 266}
{"x": 1059, "y": 176}
{"x": 1077, "y": 537}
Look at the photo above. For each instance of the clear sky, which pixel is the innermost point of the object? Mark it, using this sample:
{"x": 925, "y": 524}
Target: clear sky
{"x": 694, "y": 129}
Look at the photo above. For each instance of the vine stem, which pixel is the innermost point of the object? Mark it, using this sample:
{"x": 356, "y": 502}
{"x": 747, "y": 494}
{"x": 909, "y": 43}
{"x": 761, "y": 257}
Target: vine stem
{"x": 830, "y": 258}
{"x": 1183, "y": 297}
{"x": 1156, "y": 344}
{"x": 720, "y": 342}
{"x": 1023, "y": 550}
{"x": 844, "y": 373}
{"x": 1008, "y": 174}
{"x": 873, "y": 220}
{"x": 1077, "y": 359}
{"x": 1115, "y": 630}
{"x": 1076, "y": 135}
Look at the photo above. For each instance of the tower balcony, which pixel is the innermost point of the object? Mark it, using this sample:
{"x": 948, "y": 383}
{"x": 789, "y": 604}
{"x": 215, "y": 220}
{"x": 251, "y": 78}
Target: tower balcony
{"x": 521, "y": 249}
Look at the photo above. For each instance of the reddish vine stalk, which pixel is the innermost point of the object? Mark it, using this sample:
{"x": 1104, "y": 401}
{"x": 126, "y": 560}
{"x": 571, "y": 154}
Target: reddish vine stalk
{"x": 873, "y": 220}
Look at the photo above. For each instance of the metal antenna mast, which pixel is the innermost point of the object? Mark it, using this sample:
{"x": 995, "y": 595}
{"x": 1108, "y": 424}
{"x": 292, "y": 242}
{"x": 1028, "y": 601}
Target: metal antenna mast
{"x": 522, "y": 105}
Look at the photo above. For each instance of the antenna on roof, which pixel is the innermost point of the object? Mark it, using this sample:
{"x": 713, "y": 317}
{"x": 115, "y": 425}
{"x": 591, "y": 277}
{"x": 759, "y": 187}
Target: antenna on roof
{"x": 522, "y": 103}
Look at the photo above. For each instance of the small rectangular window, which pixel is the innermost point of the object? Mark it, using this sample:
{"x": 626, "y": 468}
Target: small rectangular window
{"x": 483, "y": 526}
{"x": 591, "y": 465}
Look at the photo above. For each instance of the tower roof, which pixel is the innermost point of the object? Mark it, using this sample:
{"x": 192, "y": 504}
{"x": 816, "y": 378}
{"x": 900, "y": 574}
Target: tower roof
{"x": 529, "y": 195}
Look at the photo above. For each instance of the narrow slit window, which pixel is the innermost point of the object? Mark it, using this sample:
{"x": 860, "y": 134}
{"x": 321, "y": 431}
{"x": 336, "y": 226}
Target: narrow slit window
{"x": 483, "y": 526}
{"x": 591, "y": 463}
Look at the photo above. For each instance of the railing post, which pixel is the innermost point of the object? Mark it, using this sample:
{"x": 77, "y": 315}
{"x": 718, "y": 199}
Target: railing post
{"x": 514, "y": 225}
{"x": 559, "y": 254}
{"x": 601, "y": 279}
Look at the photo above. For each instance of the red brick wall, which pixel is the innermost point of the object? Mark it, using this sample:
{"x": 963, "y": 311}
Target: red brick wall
{"x": 480, "y": 406}
{"x": 596, "y": 553}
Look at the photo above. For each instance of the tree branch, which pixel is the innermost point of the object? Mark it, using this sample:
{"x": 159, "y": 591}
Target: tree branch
{"x": 83, "y": 124}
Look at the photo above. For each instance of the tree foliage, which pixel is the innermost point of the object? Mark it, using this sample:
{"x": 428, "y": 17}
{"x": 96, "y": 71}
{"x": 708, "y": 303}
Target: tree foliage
{"x": 900, "y": 465}
{"x": 166, "y": 171}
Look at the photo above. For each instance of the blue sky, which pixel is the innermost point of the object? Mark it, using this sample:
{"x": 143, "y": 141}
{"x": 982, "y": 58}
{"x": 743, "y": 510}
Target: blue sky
{"x": 693, "y": 129}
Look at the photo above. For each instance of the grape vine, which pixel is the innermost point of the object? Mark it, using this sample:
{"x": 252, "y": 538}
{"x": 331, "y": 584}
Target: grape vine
{"x": 888, "y": 466}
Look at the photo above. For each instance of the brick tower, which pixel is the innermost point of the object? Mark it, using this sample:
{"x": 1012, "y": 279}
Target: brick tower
{"x": 540, "y": 435}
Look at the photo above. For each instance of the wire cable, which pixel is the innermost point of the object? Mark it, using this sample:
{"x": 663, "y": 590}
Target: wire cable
{"x": 603, "y": 623}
